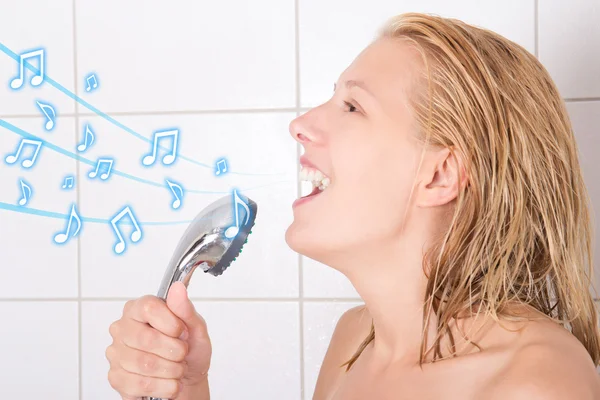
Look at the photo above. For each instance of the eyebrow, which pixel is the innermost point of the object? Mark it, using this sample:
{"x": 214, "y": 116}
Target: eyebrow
{"x": 354, "y": 83}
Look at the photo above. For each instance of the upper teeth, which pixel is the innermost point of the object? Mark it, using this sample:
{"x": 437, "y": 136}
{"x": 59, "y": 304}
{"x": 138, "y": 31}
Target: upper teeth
{"x": 315, "y": 176}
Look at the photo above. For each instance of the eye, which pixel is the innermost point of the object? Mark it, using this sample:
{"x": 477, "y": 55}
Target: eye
{"x": 350, "y": 106}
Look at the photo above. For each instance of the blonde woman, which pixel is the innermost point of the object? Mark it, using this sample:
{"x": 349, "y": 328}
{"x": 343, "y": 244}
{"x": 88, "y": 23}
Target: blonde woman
{"x": 450, "y": 194}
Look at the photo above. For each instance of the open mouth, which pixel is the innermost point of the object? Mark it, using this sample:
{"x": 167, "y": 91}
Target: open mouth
{"x": 315, "y": 179}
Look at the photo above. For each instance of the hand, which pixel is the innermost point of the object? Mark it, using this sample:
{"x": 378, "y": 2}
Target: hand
{"x": 159, "y": 349}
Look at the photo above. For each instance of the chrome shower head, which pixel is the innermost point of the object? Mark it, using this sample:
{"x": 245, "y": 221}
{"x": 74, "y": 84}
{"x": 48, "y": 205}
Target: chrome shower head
{"x": 212, "y": 240}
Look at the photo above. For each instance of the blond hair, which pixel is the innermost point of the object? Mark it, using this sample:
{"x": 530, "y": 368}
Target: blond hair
{"x": 521, "y": 231}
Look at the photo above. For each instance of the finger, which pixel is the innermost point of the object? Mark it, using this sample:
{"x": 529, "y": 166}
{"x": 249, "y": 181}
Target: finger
{"x": 140, "y": 336}
{"x": 147, "y": 364}
{"x": 154, "y": 311}
{"x": 130, "y": 385}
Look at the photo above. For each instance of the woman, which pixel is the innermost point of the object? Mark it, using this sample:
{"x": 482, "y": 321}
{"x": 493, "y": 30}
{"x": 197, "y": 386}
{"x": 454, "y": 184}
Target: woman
{"x": 451, "y": 196}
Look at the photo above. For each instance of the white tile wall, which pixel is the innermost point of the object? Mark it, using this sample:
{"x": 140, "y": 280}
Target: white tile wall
{"x": 225, "y": 74}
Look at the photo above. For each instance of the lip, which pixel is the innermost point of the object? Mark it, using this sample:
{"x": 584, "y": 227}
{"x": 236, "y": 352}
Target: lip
{"x": 306, "y": 162}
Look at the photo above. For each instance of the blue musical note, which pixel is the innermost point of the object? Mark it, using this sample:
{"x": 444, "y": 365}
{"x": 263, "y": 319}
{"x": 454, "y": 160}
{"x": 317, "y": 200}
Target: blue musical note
{"x": 50, "y": 124}
{"x": 135, "y": 236}
{"x": 93, "y": 78}
{"x": 28, "y": 163}
{"x": 99, "y": 163}
{"x": 26, "y": 196}
{"x": 233, "y": 230}
{"x": 177, "y": 202}
{"x": 221, "y": 164}
{"x": 89, "y": 135}
{"x": 168, "y": 158}
{"x": 36, "y": 80}
{"x": 62, "y": 237}
{"x": 69, "y": 182}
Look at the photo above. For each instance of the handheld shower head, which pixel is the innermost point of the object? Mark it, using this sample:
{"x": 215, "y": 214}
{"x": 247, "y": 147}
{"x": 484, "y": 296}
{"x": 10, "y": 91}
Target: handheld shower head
{"x": 212, "y": 241}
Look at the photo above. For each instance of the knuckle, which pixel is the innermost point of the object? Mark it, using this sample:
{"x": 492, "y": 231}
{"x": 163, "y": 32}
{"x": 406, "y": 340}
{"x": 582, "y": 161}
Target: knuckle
{"x": 150, "y": 306}
{"x": 113, "y": 329}
{"x": 109, "y": 353}
{"x": 114, "y": 379}
{"x": 179, "y": 370}
{"x": 128, "y": 306}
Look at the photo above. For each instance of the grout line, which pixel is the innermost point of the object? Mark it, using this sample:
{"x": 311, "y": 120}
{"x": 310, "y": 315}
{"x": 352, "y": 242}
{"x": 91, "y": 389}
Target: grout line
{"x": 536, "y": 28}
{"x": 231, "y": 111}
{"x": 581, "y": 99}
{"x": 298, "y": 188}
{"x": 197, "y": 299}
{"x": 78, "y": 201}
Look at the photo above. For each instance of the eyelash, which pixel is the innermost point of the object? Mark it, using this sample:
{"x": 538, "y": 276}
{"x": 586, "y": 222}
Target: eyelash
{"x": 350, "y": 105}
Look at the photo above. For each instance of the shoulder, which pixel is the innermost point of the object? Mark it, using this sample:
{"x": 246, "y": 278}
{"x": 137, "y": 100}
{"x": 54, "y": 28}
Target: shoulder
{"x": 351, "y": 329}
{"x": 551, "y": 364}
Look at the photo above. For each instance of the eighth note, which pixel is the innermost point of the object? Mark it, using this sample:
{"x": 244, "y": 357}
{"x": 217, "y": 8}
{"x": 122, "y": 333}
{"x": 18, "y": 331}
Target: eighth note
{"x": 62, "y": 237}
{"x": 233, "y": 230}
{"x": 95, "y": 84}
{"x": 26, "y": 196}
{"x": 11, "y": 159}
{"x": 99, "y": 163}
{"x": 69, "y": 182}
{"x": 89, "y": 135}
{"x": 168, "y": 158}
{"x": 45, "y": 108}
{"x": 135, "y": 236}
{"x": 222, "y": 163}
{"x": 37, "y": 80}
{"x": 177, "y": 202}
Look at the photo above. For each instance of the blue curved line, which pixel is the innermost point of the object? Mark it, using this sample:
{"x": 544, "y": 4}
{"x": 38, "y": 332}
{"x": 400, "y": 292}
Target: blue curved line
{"x": 58, "y": 149}
{"x": 110, "y": 119}
{"x": 50, "y": 214}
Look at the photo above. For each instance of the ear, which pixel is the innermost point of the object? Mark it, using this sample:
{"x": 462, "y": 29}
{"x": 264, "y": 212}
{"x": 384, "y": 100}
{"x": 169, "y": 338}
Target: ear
{"x": 441, "y": 178}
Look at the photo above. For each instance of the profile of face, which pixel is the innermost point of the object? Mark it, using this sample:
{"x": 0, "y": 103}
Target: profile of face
{"x": 363, "y": 141}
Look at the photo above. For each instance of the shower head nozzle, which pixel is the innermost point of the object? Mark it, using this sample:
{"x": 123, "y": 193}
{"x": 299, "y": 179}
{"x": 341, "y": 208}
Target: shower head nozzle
{"x": 212, "y": 241}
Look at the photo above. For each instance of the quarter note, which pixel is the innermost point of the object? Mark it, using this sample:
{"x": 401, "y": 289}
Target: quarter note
{"x": 168, "y": 158}
{"x": 27, "y": 163}
{"x": 45, "y": 109}
{"x": 89, "y": 136}
{"x": 221, "y": 164}
{"x": 135, "y": 236}
{"x": 95, "y": 84}
{"x": 233, "y": 230}
{"x": 62, "y": 237}
{"x": 36, "y": 80}
{"x": 177, "y": 202}
{"x": 26, "y": 196}
{"x": 100, "y": 163}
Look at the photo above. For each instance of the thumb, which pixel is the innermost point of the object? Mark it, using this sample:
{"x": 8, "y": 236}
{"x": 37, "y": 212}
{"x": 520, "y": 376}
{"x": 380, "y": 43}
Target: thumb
{"x": 180, "y": 305}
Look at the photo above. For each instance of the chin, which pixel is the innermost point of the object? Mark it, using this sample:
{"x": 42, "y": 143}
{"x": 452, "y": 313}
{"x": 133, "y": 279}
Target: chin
{"x": 305, "y": 241}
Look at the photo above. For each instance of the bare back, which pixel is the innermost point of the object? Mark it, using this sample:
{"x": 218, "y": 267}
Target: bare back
{"x": 541, "y": 358}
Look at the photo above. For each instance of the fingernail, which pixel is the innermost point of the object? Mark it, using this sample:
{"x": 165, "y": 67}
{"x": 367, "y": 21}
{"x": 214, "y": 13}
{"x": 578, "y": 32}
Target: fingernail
{"x": 184, "y": 335}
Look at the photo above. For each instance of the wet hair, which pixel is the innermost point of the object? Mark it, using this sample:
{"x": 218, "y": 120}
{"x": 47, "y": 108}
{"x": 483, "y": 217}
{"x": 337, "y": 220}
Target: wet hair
{"x": 520, "y": 232}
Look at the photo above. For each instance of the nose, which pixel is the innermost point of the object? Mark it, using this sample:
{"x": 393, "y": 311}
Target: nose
{"x": 300, "y": 129}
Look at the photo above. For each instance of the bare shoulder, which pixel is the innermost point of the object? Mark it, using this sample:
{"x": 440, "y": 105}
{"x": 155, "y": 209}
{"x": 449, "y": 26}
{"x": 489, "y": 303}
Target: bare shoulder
{"x": 351, "y": 329}
{"x": 550, "y": 364}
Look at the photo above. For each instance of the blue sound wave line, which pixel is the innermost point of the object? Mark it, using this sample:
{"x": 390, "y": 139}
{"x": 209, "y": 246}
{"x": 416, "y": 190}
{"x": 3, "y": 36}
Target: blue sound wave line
{"x": 58, "y": 149}
{"x": 50, "y": 214}
{"x": 107, "y": 117}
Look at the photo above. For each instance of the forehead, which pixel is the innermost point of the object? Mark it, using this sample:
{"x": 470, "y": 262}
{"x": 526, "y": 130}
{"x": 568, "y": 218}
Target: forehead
{"x": 389, "y": 68}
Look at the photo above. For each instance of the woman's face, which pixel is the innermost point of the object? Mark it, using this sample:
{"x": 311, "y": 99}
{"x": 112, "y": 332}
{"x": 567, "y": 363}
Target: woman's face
{"x": 362, "y": 139}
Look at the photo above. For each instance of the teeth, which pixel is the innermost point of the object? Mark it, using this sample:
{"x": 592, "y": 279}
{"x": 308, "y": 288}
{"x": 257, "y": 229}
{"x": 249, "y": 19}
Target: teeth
{"x": 316, "y": 177}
